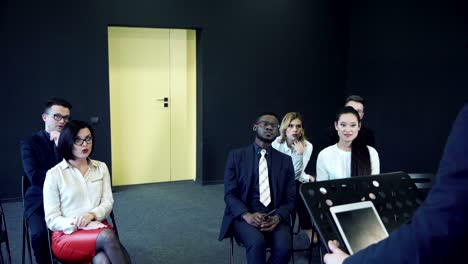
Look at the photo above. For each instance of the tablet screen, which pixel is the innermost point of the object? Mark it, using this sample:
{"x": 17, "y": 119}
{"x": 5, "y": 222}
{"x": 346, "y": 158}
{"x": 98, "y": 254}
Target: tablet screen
{"x": 361, "y": 228}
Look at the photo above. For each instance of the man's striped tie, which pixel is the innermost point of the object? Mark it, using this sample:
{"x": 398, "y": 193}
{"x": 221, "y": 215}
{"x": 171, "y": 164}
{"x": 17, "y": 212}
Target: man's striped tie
{"x": 264, "y": 184}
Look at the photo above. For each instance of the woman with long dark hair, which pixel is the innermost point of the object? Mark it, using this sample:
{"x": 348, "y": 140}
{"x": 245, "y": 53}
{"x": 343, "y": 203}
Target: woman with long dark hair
{"x": 77, "y": 200}
{"x": 350, "y": 156}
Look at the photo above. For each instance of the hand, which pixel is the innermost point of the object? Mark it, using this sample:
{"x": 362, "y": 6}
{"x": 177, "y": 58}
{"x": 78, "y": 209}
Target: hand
{"x": 337, "y": 256}
{"x": 298, "y": 147}
{"x": 270, "y": 223}
{"x": 311, "y": 178}
{"x": 82, "y": 220}
{"x": 255, "y": 219}
{"x": 55, "y": 135}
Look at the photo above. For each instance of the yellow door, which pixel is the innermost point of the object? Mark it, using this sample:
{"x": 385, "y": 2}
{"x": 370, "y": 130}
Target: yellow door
{"x": 147, "y": 67}
{"x": 182, "y": 44}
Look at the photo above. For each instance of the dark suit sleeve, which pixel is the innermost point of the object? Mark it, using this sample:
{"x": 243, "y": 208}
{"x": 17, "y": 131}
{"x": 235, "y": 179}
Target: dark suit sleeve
{"x": 370, "y": 138}
{"x": 438, "y": 232}
{"x": 31, "y": 164}
{"x": 285, "y": 209}
{"x": 331, "y": 136}
{"x": 231, "y": 189}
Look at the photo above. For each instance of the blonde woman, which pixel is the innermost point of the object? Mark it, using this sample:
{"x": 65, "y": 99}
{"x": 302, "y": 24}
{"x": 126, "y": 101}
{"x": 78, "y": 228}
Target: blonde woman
{"x": 292, "y": 142}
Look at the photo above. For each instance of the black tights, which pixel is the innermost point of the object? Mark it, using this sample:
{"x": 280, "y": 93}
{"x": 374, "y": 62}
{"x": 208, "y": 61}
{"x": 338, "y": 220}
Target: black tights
{"x": 109, "y": 250}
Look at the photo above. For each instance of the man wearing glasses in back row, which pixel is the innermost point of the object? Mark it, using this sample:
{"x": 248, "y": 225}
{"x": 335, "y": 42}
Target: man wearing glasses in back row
{"x": 38, "y": 155}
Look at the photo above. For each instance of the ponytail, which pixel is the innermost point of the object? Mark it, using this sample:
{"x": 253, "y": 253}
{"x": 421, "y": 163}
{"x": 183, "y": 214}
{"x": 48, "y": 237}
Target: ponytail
{"x": 360, "y": 157}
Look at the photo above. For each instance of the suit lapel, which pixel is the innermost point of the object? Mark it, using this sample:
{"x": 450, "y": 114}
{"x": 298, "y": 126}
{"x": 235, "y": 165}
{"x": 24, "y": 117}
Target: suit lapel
{"x": 274, "y": 174}
{"x": 249, "y": 160}
{"x": 51, "y": 146}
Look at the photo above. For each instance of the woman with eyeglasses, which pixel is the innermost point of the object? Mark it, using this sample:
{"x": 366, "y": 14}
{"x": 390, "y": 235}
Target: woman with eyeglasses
{"x": 292, "y": 142}
{"x": 350, "y": 156}
{"x": 77, "y": 200}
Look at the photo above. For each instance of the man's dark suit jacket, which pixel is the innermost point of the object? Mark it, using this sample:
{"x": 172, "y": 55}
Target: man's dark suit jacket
{"x": 438, "y": 232}
{"x": 238, "y": 179}
{"x": 38, "y": 156}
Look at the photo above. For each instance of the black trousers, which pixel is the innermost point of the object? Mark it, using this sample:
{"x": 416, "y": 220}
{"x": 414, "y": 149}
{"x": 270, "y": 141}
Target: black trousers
{"x": 39, "y": 241}
{"x": 256, "y": 242}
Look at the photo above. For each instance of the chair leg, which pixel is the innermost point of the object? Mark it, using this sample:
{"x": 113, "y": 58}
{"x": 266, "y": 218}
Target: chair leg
{"x": 321, "y": 254}
{"x": 50, "y": 246}
{"x": 294, "y": 218}
{"x": 312, "y": 245}
{"x": 1, "y": 255}
{"x": 28, "y": 241}
{"x": 231, "y": 259}
{"x": 7, "y": 242}
{"x": 292, "y": 254}
{"x": 24, "y": 242}
{"x": 8, "y": 251}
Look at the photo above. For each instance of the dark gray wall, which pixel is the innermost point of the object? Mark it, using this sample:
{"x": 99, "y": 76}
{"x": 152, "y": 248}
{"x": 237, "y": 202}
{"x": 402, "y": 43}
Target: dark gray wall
{"x": 253, "y": 56}
{"x": 409, "y": 59}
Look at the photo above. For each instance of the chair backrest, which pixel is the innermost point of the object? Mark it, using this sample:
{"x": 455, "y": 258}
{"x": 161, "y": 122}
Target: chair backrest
{"x": 2, "y": 221}
{"x": 3, "y": 230}
{"x": 24, "y": 186}
{"x": 4, "y": 236}
{"x": 114, "y": 224}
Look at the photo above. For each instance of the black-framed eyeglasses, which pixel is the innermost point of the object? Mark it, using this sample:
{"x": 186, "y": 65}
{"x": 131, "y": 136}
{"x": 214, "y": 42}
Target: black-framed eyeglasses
{"x": 59, "y": 117}
{"x": 266, "y": 123}
{"x": 79, "y": 141}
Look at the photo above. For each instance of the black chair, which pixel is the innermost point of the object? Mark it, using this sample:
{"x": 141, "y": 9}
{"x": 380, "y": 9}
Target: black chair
{"x": 241, "y": 245}
{"x": 297, "y": 229}
{"x": 423, "y": 181}
{"x": 4, "y": 236}
{"x": 26, "y": 238}
{"x": 311, "y": 246}
{"x": 54, "y": 260}
{"x": 114, "y": 224}
{"x": 394, "y": 195}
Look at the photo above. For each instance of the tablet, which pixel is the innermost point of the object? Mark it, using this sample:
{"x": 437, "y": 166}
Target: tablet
{"x": 359, "y": 225}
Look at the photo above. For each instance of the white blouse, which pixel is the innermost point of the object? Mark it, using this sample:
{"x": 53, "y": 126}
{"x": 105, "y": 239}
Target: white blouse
{"x": 68, "y": 194}
{"x": 299, "y": 161}
{"x": 334, "y": 163}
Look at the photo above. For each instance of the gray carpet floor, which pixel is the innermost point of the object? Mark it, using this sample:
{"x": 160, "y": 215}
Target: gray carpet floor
{"x": 174, "y": 222}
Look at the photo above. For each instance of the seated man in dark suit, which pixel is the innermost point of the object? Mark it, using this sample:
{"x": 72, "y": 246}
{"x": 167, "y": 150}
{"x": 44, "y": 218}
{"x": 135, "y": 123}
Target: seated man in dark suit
{"x": 438, "y": 232}
{"x": 39, "y": 154}
{"x": 356, "y": 102}
{"x": 259, "y": 179}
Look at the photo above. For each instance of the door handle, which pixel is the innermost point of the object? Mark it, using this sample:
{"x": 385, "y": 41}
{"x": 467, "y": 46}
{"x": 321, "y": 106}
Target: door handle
{"x": 165, "y": 100}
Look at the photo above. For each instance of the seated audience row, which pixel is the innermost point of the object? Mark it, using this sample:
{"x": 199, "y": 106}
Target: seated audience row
{"x": 260, "y": 192}
{"x": 260, "y": 196}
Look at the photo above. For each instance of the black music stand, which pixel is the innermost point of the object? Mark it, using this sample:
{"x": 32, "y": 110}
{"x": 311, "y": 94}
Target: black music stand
{"x": 394, "y": 195}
